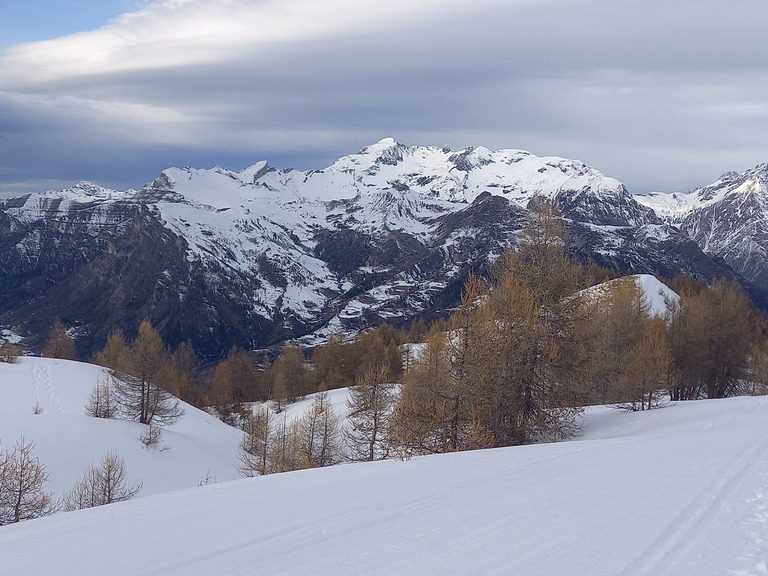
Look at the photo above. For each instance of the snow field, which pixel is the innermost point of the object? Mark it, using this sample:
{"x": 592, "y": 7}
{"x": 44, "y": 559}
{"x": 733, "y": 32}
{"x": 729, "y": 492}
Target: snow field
{"x": 678, "y": 491}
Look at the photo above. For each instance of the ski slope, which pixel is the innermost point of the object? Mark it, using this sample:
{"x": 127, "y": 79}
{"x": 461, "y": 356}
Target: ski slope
{"x": 679, "y": 491}
{"x": 68, "y": 442}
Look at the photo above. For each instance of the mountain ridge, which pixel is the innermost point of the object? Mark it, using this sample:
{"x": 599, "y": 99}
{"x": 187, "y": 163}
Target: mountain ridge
{"x": 728, "y": 218}
{"x": 258, "y": 256}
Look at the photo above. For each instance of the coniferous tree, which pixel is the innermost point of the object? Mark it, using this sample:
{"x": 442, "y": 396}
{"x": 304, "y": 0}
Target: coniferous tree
{"x": 59, "y": 344}
{"x": 142, "y": 372}
{"x": 284, "y": 455}
{"x": 103, "y": 484}
{"x": 611, "y": 325}
{"x": 712, "y": 335}
{"x": 9, "y": 353}
{"x": 537, "y": 287}
{"x": 541, "y": 263}
{"x": 435, "y": 408}
{"x": 340, "y": 364}
{"x": 102, "y": 402}
{"x": 256, "y": 446}
{"x": 221, "y": 394}
{"x": 369, "y": 406}
{"x": 647, "y": 374}
{"x": 290, "y": 378}
{"x": 757, "y": 383}
{"x": 116, "y": 353}
{"x": 333, "y": 364}
{"x": 185, "y": 375}
{"x": 143, "y": 396}
{"x": 319, "y": 434}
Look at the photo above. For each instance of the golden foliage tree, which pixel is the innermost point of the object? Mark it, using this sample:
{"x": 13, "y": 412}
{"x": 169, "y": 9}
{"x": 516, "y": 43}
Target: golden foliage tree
{"x": 233, "y": 381}
{"x": 116, "y": 353}
{"x": 341, "y": 364}
{"x": 436, "y": 407}
{"x": 291, "y": 379}
{"x": 256, "y": 448}
{"x": 319, "y": 434}
{"x": 521, "y": 390}
{"x": 142, "y": 375}
{"x": 59, "y": 344}
{"x": 9, "y": 353}
{"x": 102, "y": 401}
{"x": 184, "y": 375}
{"x": 611, "y": 324}
{"x": 647, "y": 374}
{"x": 712, "y": 336}
{"x": 757, "y": 383}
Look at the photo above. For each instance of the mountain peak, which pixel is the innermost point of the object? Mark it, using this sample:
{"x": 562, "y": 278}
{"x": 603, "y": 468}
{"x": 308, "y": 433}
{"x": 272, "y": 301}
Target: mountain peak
{"x": 386, "y": 151}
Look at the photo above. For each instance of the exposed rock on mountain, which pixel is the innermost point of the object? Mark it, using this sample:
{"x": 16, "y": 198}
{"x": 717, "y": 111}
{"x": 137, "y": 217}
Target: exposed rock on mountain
{"x": 261, "y": 255}
{"x": 727, "y": 219}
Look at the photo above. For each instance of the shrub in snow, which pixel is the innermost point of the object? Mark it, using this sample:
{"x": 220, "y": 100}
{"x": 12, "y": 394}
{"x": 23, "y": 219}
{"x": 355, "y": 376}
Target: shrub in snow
{"x": 22, "y": 477}
{"x": 9, "y": 353}
{"x": 101, "y": 485}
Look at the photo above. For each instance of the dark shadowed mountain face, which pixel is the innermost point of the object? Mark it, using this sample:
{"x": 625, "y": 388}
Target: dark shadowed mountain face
{"x": 727, "y": 219}
{"x": 258, "y": 256}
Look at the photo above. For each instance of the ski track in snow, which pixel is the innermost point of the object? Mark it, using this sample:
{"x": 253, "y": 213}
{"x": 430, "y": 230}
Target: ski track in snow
{"x": 683, "y": 534}
{"x": 753, "y": 560}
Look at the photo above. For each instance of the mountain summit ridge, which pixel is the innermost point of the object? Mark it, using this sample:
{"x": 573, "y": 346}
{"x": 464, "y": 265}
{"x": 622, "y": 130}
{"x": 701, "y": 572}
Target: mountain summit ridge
{"x": 265, "y": 254}
{"x": 727, "y": 218}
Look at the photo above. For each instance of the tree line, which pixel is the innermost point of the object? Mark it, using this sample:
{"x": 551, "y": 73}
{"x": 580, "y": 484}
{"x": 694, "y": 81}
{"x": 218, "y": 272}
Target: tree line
{"x": 522, "y": 355}
{"x": 515, "y": 363}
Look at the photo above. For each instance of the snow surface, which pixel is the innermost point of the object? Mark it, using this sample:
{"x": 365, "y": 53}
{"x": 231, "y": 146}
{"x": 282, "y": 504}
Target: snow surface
{"x": 669, "y": 206}
{"x": 678, "y": 491}
{"x": 68, "y": 442}
{"x": 658, "y": 295}
{"x": 675, "y": 206}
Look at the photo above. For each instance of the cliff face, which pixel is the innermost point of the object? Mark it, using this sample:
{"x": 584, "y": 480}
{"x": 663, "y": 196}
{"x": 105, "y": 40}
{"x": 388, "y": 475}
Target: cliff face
{"x": 727, "y": 219}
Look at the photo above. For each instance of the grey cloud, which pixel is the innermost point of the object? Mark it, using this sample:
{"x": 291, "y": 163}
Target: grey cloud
{"x": 659, "y": 94}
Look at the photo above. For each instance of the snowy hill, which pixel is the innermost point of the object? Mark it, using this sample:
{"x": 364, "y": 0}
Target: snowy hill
{"x": 659, "y": 297}
{"x": 68, "y": 442}
{"x": 679, "y": 491}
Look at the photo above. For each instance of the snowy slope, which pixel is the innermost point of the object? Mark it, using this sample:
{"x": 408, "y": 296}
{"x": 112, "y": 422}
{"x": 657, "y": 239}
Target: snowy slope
{"x": 658, "y": 295}
{"x": 680, "y": 491}
{"x": 68, "y": 441}
{"x": 675, "y": 206}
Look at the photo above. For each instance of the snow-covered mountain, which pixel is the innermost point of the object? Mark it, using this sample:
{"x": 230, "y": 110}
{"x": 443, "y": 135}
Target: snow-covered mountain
{"x": 679, "y": 491}
{"x": 728, "y": 218}
{"x": 257, "y": 256}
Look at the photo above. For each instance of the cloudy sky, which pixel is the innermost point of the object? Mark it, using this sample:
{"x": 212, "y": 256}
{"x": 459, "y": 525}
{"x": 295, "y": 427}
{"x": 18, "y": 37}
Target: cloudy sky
{"x": 661, "y": 94}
